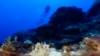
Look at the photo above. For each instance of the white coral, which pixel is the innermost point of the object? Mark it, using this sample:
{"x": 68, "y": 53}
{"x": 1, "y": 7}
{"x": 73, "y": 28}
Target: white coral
{"x": 40, "y": 50}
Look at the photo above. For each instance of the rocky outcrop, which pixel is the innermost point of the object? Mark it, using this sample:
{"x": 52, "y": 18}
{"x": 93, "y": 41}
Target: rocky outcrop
{"x": 67, "y": 16}
{"x": 66, "y": 25}
{"x": 94, "y": 10}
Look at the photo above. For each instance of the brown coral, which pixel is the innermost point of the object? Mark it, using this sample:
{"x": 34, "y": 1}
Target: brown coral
{"x": 93, "y": 47}
{"x": 91, "y": 53}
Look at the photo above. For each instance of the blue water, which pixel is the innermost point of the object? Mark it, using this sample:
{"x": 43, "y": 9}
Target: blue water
{"x": 21, "y": 15}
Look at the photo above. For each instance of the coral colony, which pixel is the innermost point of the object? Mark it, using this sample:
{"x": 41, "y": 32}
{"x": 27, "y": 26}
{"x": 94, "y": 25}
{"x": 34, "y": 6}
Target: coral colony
{"x": 87, "y": 47}
{"x": 70, "y": 32}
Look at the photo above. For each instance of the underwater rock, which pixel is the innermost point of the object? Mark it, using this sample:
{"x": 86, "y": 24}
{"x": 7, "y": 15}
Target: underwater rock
{"x": 67, "y": 23}
{"x": 28, "y": 42}
{"x": 54, "y": 30}
{"x": 67, "y": 16}
{"x": 94, "y": 10}
{"x": 23, "y": 36}
{"x": 96, "y": 22}
{"x": 76, "y": 29}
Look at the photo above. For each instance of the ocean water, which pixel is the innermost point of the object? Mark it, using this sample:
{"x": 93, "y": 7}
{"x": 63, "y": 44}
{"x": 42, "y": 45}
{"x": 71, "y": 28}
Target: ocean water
{"x": 21, "y": 15}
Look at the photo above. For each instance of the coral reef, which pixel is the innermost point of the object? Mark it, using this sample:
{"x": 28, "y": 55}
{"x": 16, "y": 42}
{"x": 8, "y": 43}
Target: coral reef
{"x": 70, "y": 31}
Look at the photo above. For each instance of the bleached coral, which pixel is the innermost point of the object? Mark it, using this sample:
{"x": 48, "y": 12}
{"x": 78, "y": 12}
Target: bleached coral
{"x": 40, "y": 50}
